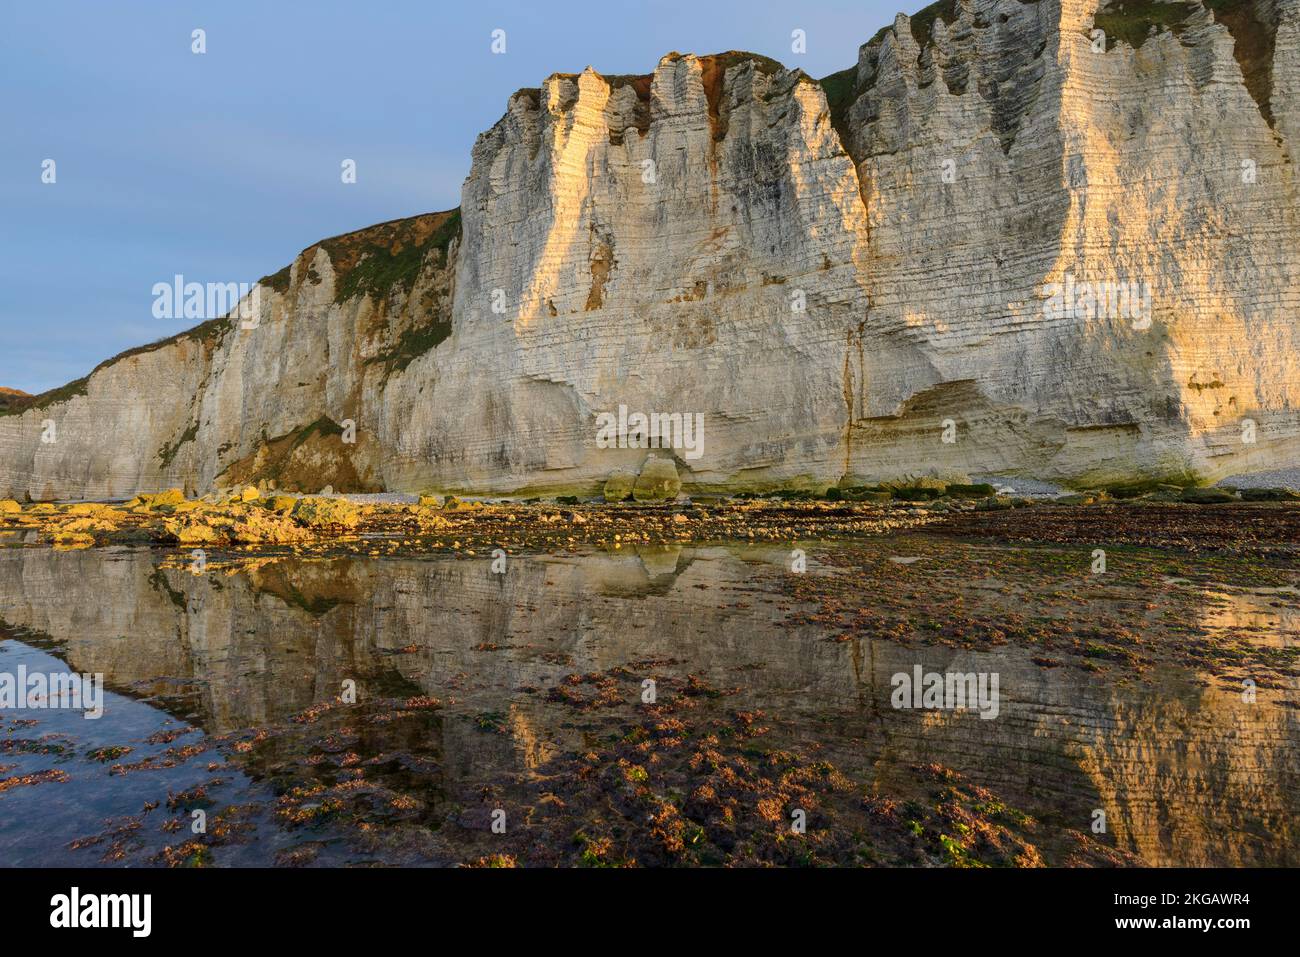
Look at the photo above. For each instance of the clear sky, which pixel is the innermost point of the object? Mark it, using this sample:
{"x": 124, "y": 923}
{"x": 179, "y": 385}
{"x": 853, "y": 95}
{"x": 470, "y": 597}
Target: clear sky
{"x": 222, "y": 166}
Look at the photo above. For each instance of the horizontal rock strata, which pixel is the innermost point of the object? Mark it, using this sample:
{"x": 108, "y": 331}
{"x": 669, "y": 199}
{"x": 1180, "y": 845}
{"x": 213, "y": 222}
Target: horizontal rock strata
{"x": 1002, "y": 243}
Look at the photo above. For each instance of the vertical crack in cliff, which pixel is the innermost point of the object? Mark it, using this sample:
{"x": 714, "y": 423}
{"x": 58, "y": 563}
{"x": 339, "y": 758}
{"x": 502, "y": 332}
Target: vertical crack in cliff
{"x": 848, "y": 406}
{"x": 641, "y": 85}
{"x": 713, "y": 74}
{"x": 602, "y": 264}
{"x": 853, "y": 388}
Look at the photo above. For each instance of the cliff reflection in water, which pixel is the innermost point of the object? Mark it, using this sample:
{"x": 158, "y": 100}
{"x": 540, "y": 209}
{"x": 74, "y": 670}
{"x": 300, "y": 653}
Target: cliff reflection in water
{"x": 1187, "y": 772}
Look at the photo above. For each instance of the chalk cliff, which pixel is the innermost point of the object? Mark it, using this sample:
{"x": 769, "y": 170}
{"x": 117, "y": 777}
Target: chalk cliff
{"x": 853, "y": 278}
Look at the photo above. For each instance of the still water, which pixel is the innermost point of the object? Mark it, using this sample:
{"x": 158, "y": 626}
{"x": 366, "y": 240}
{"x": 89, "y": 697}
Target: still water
{"x": 225, "y": 687}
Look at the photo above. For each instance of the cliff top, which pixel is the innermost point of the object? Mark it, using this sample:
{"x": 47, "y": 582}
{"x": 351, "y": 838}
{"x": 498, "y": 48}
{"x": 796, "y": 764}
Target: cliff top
{"x": 725, "y": 60}
{"x": 12, "y": 398}
{"x": 377, "y": 259}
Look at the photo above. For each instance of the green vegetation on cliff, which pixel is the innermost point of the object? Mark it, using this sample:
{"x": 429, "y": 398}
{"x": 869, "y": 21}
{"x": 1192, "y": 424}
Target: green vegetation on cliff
{"x": 841, "y": 90}
{"x": 923, "y": 19}
{"x": 17, "y": 405}
{"x": 12, "y": 397}
{"x": 167, "y": 454}
{"x": 1132, "y": 21}
{"x": 414, "y": 342}
{"x": 375, "y": 262}
{"x": 279, "y": 281}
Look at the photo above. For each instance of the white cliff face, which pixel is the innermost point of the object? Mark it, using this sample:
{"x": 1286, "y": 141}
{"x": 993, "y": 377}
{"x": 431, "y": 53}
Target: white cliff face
{"x": 847, "y": 289}
{"x": 242, "y": 399}
{"x": 1066, "y": 163}
{"x": 654, "y": 269}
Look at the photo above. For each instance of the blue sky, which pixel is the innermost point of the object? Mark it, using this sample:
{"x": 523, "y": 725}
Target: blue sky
{"x": 223, "y": 166}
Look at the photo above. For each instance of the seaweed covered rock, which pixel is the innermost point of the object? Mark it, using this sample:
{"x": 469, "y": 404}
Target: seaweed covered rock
{"x": 1247, "y": 495}
{"x": 197, "y": 530}
{"x": 326, "y": 512}
{"x": 171, "y": 497}
{"x": 80, "y": 532}
{"x": 619, "y": 485}
{"x": 971, "y": 490}
{"x": 657, "y": 482}
{"x": 1208, "y": 496}
{"x": 234, "y": 526}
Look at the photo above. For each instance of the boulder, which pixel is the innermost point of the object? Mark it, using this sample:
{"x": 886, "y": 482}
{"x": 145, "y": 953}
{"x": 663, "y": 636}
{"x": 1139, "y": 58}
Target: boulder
{"x": 1247, "y": 495}
{"x": 619, "y": 485}
{"x": 657, "y": 482}
{"x": 976, "y": 490}
{"x": 322, "y": 512}
{"x": 1208, "y": 496}
{"x": 171, "y": 497}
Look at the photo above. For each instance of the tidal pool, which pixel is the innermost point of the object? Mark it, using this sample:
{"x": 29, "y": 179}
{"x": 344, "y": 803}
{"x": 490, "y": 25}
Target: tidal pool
{"x": 672, "y": 705}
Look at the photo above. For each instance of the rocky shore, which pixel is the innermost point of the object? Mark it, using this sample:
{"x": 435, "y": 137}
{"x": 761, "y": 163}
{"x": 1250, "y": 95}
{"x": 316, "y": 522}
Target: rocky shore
{"x": 1254, "y": 520}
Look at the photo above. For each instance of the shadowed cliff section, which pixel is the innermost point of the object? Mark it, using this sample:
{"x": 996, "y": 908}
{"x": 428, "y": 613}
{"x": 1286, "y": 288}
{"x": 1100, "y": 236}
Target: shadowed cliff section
{"x": 1255, "y": 33}
{"x": 1253, "y": 25}
{"x": 257, "y": 398}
